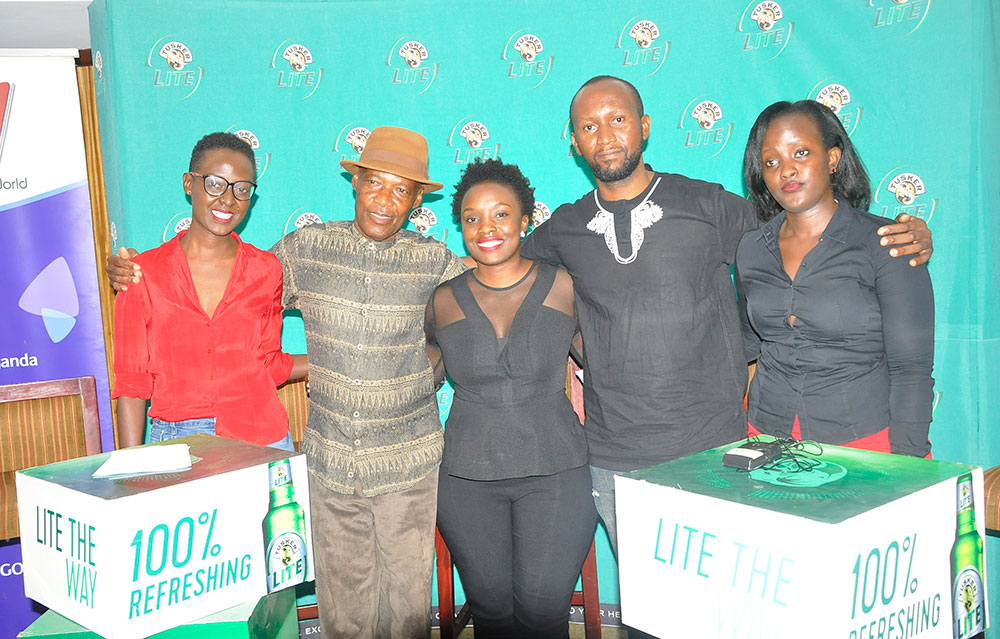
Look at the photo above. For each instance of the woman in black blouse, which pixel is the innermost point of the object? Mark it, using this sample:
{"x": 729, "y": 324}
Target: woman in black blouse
{"x": 514, "y": 495}
{"x": 842, "y": 333}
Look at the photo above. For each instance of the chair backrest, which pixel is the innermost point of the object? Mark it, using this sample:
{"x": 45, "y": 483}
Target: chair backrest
{"x": 991, "y": 486}
{"x": 296, "y": 401}
{"x": 43, "y": 423}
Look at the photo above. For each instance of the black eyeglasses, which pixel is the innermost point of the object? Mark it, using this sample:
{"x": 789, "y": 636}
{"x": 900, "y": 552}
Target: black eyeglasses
{"x": 216, "y": 186}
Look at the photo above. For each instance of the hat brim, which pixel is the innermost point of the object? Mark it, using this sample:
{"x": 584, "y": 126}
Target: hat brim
{"x": 353, "y": 167}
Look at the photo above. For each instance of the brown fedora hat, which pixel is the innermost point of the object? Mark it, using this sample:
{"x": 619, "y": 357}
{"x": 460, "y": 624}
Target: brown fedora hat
{"x": 395, "y": 150}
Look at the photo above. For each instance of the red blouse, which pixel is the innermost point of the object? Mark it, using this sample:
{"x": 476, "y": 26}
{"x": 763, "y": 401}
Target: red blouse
{"x": 190, "y": 365}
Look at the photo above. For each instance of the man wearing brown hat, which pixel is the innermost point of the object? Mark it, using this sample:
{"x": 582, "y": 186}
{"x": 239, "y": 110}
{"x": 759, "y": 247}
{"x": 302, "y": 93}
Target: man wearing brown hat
{"x": 374, "y": 438}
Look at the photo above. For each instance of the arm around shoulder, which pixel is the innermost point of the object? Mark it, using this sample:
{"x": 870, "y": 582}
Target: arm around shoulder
{"x": 906, "y": 300}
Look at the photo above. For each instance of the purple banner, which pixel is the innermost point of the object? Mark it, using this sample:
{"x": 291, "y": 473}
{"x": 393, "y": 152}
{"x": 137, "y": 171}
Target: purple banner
{"x": 50, "y": 328}
{"x": 17, "y": 611}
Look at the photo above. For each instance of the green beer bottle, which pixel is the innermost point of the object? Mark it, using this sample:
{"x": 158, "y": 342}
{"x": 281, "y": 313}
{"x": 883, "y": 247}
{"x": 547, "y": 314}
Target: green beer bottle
{"x": 967, "y": 567}
{"x": 284, "y": 531}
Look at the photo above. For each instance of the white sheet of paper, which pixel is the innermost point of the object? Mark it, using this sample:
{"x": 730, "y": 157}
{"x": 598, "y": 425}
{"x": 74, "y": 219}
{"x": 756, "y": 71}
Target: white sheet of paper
{"x": 146, "y": 459}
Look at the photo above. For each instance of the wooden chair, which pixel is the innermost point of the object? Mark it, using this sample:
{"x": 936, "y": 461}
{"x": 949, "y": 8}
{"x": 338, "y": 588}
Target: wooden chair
{"x": 453, "y": 624}
{"x": 42, "y": 423}
{"x": 991, "y": 488}
{"x": 295, "y": 398}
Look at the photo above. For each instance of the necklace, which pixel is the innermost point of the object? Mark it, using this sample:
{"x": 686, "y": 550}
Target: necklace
{"x": 642, "y": 217}
{"x": 503, "y": 288}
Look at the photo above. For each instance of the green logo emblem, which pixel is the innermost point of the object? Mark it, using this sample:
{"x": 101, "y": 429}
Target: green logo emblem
{"x": 789, "y": 473}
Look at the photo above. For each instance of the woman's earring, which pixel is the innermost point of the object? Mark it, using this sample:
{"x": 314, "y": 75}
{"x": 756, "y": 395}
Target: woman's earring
{"x": 523, "y": 234}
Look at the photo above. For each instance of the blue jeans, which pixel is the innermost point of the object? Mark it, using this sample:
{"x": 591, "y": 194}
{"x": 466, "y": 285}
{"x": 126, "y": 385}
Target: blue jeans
{"x": 284, "y": 443}
{"x": 162, "y": 431}
{"x": 603, "y": 483}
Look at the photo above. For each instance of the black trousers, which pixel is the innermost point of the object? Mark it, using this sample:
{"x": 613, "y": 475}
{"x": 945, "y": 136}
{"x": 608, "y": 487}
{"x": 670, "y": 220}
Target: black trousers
{"x": 518, "y": 544}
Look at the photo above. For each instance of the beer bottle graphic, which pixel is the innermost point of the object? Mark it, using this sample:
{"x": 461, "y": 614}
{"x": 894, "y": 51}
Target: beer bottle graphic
{"x": 967, "y": 567}
{"x": 284, "y": 531}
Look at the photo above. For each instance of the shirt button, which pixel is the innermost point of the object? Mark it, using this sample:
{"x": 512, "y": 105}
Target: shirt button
{"x": 357, "y": 442}
{"x": 361, "y": 347}
{"x": 364, "y": 311}
{"x": 357, "y": 382}
{"x": 211, "y": 376}
{"x": 368, "y": 280}
{"x": 209, "y": 350}
{"x": 371, "y": 246}
{"x": 357, "y": 414}
{"x": 350, "y": 473}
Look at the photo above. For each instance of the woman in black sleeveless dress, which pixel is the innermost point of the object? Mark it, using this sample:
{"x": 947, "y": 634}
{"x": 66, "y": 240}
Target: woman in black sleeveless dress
{"x": 514, "y": 496}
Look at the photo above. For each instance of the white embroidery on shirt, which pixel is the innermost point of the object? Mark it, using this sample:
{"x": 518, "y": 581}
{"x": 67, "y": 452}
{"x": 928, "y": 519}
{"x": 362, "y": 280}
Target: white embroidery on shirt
{"x": 642, "y": 217}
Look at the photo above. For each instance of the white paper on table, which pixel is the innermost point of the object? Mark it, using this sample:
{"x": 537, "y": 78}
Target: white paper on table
{"x": 146, "y": 459}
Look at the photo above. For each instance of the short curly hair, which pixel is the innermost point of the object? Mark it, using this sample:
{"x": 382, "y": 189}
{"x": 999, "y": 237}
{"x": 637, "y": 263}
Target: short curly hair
{"x": 220, "y": 140}
{"x": 493, "y": 171}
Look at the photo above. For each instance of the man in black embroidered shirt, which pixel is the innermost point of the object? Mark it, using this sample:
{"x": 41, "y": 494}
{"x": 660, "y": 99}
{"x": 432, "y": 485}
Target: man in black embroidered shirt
{"x": 650, "y": 255}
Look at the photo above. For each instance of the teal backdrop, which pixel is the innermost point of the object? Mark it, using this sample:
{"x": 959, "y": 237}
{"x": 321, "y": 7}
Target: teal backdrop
{"x": 914, "y": 81}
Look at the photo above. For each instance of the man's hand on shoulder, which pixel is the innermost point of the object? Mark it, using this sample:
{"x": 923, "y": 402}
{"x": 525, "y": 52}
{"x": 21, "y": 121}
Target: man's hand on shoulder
{"x": 908, "y": 236}
{"x": 121, "y": 270}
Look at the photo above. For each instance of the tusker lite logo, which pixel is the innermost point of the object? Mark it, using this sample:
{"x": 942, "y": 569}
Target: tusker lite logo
{"x": 540, "y": 214}
{"x": 174, "y": 69}
{"x": 179, "y": 222}
{"x": 566, "y": 135}
{"x": 641, "y": 47}
{"x": 350, "y": 141}
{"x": 763, "y": 28}
{"x": 261, "y": 159}
{"x": 838, "y": 99}
{"x": 357, "y": 138}
{"x": 475, "y": 134}
{"x": 788, "y": 473}
{"x": 297, "y": 73}
{"x": 422, "y": 219}
{"x": 300, "y": 218}
{"x": 702, "y": 124}
{"x": 522, "y": 53}
{"x": 900, "y": 191}
{"x": 408, "y": 60}
{"x": 900, "y": 16}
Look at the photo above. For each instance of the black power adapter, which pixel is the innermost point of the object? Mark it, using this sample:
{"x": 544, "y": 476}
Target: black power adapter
{"x": 752, "y": 454}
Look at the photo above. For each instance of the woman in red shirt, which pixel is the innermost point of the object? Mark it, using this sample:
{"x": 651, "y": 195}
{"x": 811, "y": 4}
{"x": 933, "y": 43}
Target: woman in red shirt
{"x": 200, "y": 335}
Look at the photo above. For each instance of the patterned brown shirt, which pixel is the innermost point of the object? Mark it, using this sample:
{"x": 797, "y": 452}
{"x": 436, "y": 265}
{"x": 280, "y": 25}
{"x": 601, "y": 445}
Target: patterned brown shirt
{"x": 373, "y": 415}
